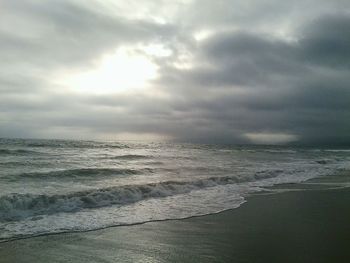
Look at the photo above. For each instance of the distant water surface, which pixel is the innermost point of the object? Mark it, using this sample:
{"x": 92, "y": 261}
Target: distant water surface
{"x": 52, "y": 186}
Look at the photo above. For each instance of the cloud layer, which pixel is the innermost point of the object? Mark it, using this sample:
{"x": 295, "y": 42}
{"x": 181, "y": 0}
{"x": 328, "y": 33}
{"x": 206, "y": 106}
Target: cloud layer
{"x": 233, "y": 71}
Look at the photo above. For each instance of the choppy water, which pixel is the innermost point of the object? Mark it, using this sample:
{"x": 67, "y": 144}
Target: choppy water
{"x": 50, "y": 186}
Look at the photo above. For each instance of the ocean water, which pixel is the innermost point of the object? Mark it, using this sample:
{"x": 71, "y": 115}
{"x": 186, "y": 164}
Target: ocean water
{"x": 53, "y": 186}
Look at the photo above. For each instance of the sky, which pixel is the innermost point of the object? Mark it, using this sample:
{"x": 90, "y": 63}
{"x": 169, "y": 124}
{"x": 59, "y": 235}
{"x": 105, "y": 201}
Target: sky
{"x": 224, "y": 71}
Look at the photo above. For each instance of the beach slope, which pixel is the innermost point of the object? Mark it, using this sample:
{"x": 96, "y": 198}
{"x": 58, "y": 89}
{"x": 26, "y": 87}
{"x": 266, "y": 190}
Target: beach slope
{"x": 298, "y": 226}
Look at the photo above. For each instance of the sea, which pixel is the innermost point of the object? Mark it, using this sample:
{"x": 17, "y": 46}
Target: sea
{"x": 55, "y": 186}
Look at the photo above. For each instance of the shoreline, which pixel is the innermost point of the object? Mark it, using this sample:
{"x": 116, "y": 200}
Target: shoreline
{"x": 313, "y": 184}
{"x": 229, "y": 231}
{"x": 116, "y": 226}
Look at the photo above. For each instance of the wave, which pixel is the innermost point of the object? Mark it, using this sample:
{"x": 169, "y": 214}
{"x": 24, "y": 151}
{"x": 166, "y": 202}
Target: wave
{"x": 19, "y": 206}
{"x": 78, "y": 173}
{"x": 130, "y": 157}
{"x": 338, "y": 150}
{"x": 323, "y": 161}
{"x": 32, "y": 143}
{"x": 280, "y": 151}
{"x": 74, "y": 144}
{"x": 18, "y": 152}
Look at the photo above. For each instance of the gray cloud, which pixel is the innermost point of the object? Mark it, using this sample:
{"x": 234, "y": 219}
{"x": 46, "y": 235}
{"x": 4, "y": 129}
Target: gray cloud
{"x": 326, "y": 41}
{"x": 64, "y": 34}
{"x": 245, "y": 77}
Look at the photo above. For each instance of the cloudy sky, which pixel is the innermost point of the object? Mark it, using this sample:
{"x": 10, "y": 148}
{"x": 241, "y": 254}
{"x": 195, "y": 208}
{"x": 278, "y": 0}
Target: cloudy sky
{"x": 223, "y": 71}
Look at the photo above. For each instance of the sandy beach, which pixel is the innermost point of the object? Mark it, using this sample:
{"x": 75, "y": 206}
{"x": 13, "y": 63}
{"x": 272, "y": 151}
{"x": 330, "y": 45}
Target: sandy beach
{"x": 298, "y": 226}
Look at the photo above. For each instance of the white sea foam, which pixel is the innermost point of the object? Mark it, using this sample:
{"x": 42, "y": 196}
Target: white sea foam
{"x": 20, "y": 206}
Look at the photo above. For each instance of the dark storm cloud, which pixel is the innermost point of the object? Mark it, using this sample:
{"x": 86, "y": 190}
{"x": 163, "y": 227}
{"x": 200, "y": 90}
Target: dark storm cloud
{"x": 327, "y": 41}
{"x": 244, "y": 78}
{"x": 249, "y": 59}
{"x": 300, "y": 87}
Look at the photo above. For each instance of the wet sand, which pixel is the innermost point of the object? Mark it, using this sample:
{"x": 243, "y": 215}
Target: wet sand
{"x": 299, "y": 226}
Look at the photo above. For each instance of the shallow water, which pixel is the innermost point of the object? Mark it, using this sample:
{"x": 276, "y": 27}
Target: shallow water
{"x": 50, "y": 186}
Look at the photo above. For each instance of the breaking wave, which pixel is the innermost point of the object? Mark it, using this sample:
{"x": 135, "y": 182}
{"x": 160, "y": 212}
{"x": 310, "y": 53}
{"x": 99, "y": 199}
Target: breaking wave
{"x": 19, "y": 206}
{"x": 17, "y": 152}
{"x": 78, "y": 173}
